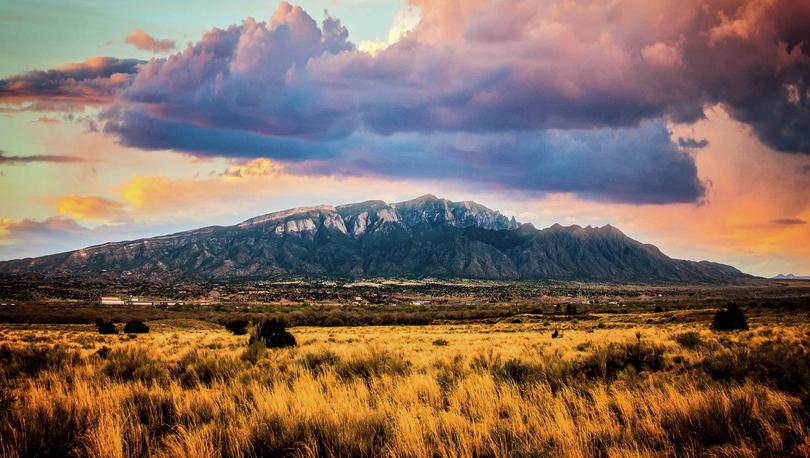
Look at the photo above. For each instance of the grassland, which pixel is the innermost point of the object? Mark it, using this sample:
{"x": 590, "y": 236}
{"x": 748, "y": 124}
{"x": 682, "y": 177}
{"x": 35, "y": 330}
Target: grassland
{"x": 619, "y": 384}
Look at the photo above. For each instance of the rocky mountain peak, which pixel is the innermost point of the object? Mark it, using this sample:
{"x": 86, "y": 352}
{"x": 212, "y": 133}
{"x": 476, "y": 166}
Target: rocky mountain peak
{"x": 423, "y": 237}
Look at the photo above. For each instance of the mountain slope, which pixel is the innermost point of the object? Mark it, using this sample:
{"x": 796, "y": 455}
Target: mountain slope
{"x": 423, "y": 237}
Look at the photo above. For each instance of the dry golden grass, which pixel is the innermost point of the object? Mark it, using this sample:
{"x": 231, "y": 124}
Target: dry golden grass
{"x": 497, "y": 390}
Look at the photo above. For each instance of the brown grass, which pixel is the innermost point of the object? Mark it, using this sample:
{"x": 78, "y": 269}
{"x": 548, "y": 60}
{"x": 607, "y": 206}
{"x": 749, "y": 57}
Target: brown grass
{"x": 500, "y": 390}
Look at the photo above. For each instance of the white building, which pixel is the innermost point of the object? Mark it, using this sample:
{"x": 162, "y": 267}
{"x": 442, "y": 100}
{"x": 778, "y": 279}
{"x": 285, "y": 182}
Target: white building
{"x": 112, "y": 300}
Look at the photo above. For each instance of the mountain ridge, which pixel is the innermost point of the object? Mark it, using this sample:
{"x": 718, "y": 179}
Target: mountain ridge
{"x": 423, "y": 237}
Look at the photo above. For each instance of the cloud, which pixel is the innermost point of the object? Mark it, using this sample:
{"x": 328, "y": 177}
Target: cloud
{"x": 143, "y": 40}
{"x": 689, "y": 142}
{"x": 509, "y": 77}
{"x": 255, "y": 168}
{"x": 789, "y": 221}
{"x": 635, "y": 165}
{"x": 17, "y": 160}
{"x": 90, "y": 208}
{"x": 74, "y": 86}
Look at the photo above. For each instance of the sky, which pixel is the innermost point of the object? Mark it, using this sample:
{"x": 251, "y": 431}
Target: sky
{"x": 686, "y": 124}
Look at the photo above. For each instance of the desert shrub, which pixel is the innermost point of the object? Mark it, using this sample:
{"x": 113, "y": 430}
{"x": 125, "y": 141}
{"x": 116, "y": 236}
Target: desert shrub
{"x": 56, "y": 428}
{"x": 237, "y": 327}
{"x": 725, "y": 419}
{"x": 729, "y": 318}
{"x": 373, "y": 365}
{"x": 783, "y": 365}
{"x": 273, "y": 334}
{"x": 106, "y": 327}
{"x": 204, "y": 368}
{"x": 154, "y": 411}
{"x": 449, "y": 373}
{"x": 690, "y": 340}
{"x": 103, "y": 352}
{"x": 609, "y": 361}
{"x": 518, "y": 372}
{"x": 136, "y": 327}
{"x": 31, "y": 360}
{"x": 253, "y": 352}
{"x": 440, "y": 342}
{"x": 130, "y": 363}
{"x": 319, "y": 362}
{"x": 485, "y": 361}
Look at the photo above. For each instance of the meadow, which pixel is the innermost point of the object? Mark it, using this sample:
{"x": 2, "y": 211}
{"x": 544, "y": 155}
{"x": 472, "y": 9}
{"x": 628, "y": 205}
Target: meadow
{"x": 637, "y": 384}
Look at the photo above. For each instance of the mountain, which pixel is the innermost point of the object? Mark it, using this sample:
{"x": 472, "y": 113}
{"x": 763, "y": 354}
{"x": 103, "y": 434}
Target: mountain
{"x": 423, "y": 237}
{"x": 791, "y": 277}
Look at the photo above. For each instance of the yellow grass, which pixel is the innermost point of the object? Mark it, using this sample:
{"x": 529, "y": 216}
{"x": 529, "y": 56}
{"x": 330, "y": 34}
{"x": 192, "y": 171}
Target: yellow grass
{"x": 389, "y": 391}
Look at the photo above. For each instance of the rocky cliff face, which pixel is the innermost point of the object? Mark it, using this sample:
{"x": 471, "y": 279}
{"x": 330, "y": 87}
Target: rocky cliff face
{"x": 424, "y": 237}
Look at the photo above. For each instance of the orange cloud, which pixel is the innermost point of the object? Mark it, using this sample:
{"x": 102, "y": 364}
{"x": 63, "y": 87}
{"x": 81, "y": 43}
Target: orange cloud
{"x": 248, "y": 189}
{"x": 255, "y": 168}
{"x": 90, "y": 208}
{"x": 143, "y": 40}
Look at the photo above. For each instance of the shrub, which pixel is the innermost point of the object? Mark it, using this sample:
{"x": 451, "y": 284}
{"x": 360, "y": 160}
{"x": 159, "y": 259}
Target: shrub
{"x": 690, "y": 340}
{"x": 780, "y": 364}
{"x": 374, "y": 365}
{"x": 237, "y": 327}
{"x": 440, "y": 342}
{"x": 273, "y": 334}
{"x": 133, "y": 364}
{"x": 608, "y": 361}
{"x": 29, "y": 360}
{"x": 253, "y": 352}
{"x": 135, "y": 327}
{"x": 729, "y": 318}
{"x": 517, "y": 372}
{"x": 106, "y": 327}
{"x": 318, "y": 362}
{"x": 204, "y": 368}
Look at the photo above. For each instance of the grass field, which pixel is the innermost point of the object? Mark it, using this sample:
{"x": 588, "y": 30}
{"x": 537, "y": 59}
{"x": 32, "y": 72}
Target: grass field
{"x": 637, "y": 384}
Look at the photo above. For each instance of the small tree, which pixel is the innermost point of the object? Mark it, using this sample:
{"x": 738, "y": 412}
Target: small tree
{"x": 237, "y": 327}
{"x": 729, "y": 318}
{"x": 273, "y": 334}
{"x": 136, "y": 327}
{"x": 106, "y": 327}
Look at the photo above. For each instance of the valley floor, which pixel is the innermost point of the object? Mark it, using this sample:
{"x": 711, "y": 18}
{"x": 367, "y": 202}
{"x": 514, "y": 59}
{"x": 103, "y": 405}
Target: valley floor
{"x": 633, "y": 384}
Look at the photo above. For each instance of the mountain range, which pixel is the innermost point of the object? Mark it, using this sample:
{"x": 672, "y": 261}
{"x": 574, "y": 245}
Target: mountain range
{"x": 791, "y": 277}
{"x": 423, "y": 237}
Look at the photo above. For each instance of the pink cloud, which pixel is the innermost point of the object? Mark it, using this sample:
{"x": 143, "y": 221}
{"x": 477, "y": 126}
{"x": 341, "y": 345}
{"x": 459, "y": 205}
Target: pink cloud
{"x": 143, "y": 40}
